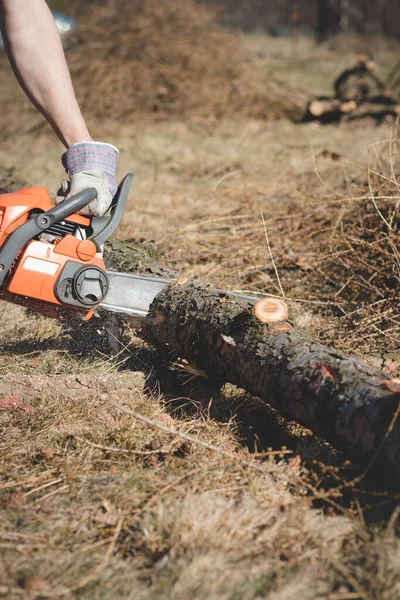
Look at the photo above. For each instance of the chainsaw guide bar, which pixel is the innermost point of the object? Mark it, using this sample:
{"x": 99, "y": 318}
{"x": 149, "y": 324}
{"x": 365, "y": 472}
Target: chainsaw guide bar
{"x": 131, "y": 294}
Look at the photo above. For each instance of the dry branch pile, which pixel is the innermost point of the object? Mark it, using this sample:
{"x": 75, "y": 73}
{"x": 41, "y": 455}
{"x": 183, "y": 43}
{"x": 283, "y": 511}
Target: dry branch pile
{"x": 359, "y": 92}
{"x": 146, "y": 57}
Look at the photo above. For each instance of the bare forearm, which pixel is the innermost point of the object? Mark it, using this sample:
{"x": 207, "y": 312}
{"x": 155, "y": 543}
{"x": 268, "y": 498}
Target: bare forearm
{"x": 35, "y": 51}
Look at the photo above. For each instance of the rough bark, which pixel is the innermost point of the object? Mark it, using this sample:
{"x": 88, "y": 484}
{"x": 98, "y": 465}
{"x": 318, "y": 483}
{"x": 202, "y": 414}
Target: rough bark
{"x": 339, "y": 397}
{"x": 378, "y": 112}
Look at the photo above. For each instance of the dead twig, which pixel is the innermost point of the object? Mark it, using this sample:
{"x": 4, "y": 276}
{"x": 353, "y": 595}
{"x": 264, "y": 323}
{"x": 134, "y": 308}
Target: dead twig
{"x": 117, "y": 450}
{"x": 272, "y": 257}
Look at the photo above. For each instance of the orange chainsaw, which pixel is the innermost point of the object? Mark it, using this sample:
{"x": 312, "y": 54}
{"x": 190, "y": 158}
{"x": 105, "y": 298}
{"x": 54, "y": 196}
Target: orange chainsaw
{"x": 51, "y": 257}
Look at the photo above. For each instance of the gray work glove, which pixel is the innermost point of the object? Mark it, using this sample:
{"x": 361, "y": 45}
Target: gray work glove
{"x": 90, "y": 165}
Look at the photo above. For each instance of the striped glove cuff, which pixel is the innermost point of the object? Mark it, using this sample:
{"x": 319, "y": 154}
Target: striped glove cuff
{"x": 92, "y": 155}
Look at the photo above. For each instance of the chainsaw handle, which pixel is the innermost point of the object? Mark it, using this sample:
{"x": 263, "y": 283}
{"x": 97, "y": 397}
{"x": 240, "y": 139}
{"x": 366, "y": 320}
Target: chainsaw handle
{"x": 104, "y": 227}
{"x": 66, "y": 208}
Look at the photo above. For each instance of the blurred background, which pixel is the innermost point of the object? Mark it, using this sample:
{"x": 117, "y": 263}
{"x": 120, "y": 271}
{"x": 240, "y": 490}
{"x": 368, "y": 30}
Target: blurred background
{"x": 209, "y": 59}
{"x": 321, "y": 17}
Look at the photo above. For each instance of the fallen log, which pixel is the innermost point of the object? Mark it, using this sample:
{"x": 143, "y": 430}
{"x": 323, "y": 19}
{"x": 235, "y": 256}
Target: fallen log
{"x": 339, "y": 397}
{"x": 323, "y": 106}
{"x": 328, "y": 110}
{"x": 379, "y": 112}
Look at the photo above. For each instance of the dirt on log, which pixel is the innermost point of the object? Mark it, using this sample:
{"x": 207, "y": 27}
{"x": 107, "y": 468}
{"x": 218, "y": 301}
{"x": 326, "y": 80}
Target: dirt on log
{"x": 339, "y": 397}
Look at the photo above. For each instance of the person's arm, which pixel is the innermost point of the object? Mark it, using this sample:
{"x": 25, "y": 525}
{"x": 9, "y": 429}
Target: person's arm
{"x": 34, "y": 48}
{"x": 36, "y": 55}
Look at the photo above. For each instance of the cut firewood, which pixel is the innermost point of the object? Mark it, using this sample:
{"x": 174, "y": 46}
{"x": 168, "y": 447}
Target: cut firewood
{"x": 330, "y": 106}
{"x": 323, "y": 106}
{"x": 348, "y": 106}
{"x": 355, "y": 90}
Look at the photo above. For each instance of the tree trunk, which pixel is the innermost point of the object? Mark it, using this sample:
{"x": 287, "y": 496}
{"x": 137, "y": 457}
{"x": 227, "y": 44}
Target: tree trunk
{"x": 328, "y": 20}
{"x": 340, "y": 398}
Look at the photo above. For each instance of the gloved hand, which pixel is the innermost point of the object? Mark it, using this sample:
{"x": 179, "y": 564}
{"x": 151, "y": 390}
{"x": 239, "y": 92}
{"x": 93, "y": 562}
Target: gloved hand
{"x": 90, "y": 165}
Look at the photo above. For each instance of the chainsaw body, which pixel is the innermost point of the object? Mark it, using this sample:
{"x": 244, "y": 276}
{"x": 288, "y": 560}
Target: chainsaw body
{"x": 50, "y": 256}
{"x": 51, "y": 259}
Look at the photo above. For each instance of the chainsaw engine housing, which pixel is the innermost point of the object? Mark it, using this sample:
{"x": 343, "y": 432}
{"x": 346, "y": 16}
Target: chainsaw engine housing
{"x": 50, "y": 256}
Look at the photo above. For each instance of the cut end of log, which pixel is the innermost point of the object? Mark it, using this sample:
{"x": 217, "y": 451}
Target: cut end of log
{"x": 270, "y": 310}
{"x": 393, "y": 385}
{"x": 348, "y": 106}
{"x": 316, "y": 108}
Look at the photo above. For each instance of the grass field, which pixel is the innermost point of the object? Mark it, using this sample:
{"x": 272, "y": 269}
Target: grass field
{"x": 95, "y": 503}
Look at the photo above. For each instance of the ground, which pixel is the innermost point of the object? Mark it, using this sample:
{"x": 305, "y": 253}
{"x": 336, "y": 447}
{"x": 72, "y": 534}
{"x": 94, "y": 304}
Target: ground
{"x": 228, "y": 502}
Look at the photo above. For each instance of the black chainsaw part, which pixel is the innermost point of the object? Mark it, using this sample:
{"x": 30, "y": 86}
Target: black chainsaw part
{"x": 104, "y": 227}
{"x": 79, "y": 286}
{"x": 63, "y": 228}
{"x": 90, "y": 285}
{"x": 39, "y": 224}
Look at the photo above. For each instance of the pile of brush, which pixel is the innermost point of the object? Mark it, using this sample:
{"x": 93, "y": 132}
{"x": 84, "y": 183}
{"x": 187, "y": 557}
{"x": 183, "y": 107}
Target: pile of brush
{"x": 151, "y": 60}
{"x": 159, "y": 59}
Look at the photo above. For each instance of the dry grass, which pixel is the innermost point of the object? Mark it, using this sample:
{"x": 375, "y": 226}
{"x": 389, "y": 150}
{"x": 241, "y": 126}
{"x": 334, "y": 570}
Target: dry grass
{"x": 96, "y": 504}
{"x": 332, "y": 223}
{"x": 330, "y": 217}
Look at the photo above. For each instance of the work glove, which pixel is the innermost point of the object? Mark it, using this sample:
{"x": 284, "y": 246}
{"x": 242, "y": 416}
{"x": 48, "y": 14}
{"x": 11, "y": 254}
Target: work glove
{"x": 90, "y": 165}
